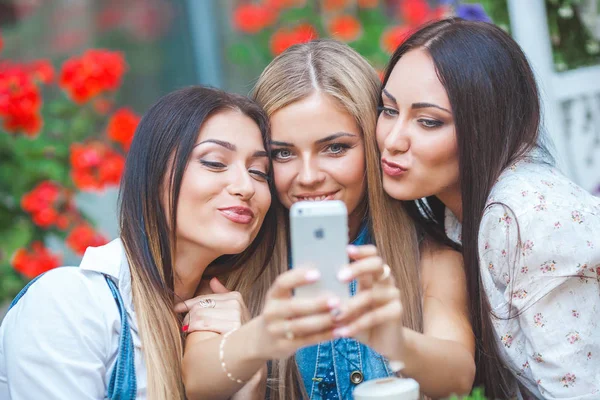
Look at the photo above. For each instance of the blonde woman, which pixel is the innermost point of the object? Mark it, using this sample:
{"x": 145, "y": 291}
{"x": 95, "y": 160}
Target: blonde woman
{"x": 321, "y": 98}
{"x": 195, "y": 200}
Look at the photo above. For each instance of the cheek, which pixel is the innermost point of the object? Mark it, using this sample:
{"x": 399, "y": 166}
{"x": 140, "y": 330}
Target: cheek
{"x": 381, "y": 133}
{"x": 284, "y": 175}
{"x": 438, "y": 151}
{"x": 349, "y": 172}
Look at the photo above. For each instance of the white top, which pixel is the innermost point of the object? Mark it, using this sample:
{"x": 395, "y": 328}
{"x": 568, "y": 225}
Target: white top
{"x": 60, "y": 340}
{"x": 549, "y": 282}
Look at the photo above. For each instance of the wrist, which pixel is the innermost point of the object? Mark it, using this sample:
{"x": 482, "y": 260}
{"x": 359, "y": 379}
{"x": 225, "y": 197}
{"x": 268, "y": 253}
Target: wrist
{"x": 256, "y": 336}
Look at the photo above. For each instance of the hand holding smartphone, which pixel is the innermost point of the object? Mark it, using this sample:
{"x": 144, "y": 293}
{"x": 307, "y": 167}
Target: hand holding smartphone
{"x": 319, "y": 237}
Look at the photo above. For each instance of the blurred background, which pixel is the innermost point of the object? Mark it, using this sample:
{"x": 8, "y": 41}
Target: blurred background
{"x": 75, "y": 76}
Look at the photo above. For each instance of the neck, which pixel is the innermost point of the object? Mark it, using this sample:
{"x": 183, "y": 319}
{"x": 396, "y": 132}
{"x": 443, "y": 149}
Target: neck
{"x": 190, "y": 264}
{"x": 452, "y": 199}
{"x": 354, "y": 222}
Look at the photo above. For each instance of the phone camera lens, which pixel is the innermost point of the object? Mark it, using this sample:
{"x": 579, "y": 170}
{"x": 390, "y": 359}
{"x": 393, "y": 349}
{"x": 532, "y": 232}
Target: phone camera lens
{"x": 300, "y": 211}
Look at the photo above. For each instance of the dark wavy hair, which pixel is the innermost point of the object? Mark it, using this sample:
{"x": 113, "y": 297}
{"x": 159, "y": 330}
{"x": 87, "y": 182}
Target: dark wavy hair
{"x": 496, "y": 109}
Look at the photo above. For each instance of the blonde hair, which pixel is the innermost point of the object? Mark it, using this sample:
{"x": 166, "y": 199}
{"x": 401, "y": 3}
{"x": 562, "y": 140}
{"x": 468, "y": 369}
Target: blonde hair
{"x": 334, "y": 69}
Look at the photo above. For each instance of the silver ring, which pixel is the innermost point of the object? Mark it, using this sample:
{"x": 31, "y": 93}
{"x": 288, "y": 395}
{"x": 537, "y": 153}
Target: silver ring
{"x": 289, "y": 335}
{"x": 207, "y": 303}
{"x": 387, "y": 271}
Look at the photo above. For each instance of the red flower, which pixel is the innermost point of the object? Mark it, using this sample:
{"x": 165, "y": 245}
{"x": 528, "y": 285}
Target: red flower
{"x": 34, "y": 262}
{"x": 282, "y": 4}
{"x": 253, "y": 18}
{"x": 394, "y": 37}
{"x": 415, "y": 12}
{"x": 42, "y": 71}
{"x": 334, "y": 5}
{"x": 95, "y": 165}
{"x": 368, "y": 3}
{"x": 122, "y": 125}
{"x": 95, "y": 72}
{"x": 82, "y": 237}
{"x": 345, "y": 28}
{"x": 284, "y": 38}
{"x": 20, "y": 100}
{"x": 49, "y": 204}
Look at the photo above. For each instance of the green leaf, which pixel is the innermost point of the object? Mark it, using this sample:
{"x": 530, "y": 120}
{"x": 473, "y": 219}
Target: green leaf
{"x": 239, "y": 53}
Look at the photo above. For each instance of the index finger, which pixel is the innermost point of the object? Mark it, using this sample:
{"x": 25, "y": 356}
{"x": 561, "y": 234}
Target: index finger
{"x": 360, "y": 252}
{"x": 289, "y": 280}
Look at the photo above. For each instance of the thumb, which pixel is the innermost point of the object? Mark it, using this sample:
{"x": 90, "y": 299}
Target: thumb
{"x": 217, "y": 287}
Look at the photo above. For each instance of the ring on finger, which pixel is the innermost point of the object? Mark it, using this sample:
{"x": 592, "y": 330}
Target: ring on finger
{"x": 207, "y": 303}
{"x": 387, "y": 271}
{"x": 289, "y": 335}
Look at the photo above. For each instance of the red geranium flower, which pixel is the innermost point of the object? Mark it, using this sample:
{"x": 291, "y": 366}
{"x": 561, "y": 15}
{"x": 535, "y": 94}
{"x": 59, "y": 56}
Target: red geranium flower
{"x": 84, "y": 236}
{"x": 95, "y": 165}
{"x": 42, "y": 71}
{"x": 253, "y": 18}
{"x": 122, "y": 125}
{"x": 345, "y": 28}
{"x": 334, "y": 5}
{"x": 368, "y": 3}
{"x": 415, "y": 12}
{"x": 20, "y": 100}
{"x": 284, "y": 38}
{"x": 49, "y": 204}
{"x": 95, "y": 72}
{"x": 394, "y": 37}
{"x": 36, "y": 261}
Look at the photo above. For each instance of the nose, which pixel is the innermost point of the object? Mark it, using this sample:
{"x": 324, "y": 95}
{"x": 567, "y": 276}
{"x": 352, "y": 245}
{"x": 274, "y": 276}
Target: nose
{"x": 310, "y": 174}
{"x": 397, "y": 140}
{"x": 241, "y": 184}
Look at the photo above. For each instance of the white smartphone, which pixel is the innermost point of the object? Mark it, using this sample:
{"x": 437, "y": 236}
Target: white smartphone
{"x": 319, "y": 236}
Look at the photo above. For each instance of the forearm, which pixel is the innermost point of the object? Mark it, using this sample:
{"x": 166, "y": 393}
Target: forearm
{"x": 203, "y": 374}
{"x": 442, "y": 367}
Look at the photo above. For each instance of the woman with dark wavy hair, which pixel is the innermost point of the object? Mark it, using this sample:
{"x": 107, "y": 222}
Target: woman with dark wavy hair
{"x": 459, "y": 137}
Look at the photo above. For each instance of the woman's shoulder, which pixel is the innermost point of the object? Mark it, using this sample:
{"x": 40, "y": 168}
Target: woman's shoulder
{"x": 536, "y": 189}
{"x": 68, "y": 292}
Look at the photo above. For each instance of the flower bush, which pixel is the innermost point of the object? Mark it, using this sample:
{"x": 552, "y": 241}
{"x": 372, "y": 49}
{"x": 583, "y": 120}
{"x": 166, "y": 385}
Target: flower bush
{"x": 373, "y": 27}
{"x": 60, "y": 135}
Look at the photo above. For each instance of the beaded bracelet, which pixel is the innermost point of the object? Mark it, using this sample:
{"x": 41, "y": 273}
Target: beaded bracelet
{"x": 222, "y": 357}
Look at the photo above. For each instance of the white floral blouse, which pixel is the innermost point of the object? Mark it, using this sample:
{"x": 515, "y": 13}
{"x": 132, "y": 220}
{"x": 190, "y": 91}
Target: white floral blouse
{"x": 539, "y": 252}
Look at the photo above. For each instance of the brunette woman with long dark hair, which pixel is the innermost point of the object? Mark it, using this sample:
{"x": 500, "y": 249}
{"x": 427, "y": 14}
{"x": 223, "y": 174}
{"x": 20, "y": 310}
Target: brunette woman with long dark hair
{"x": 195, "y": 202}
{"x": 460, "y": 143}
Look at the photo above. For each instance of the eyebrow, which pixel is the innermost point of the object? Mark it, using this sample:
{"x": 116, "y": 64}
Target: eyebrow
{"x": 389, "y": 95}
{"x": 283, "y": 144}
{"x": 416, "y": 106}
{"x": 334, "y": 136}
{"x": 428, "y": 105}
{"x": 232, "y": 147}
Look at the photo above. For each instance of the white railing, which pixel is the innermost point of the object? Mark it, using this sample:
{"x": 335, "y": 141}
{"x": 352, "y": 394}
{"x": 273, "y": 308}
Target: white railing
{"x": 571, "y": 99}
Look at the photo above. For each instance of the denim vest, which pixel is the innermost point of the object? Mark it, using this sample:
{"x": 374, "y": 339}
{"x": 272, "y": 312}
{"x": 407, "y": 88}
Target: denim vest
{"x": 331, "y": 370}
{"x": 122, "y": 385}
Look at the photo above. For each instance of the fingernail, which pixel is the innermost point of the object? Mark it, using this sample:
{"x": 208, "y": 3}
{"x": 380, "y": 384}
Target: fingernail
{"x": 341, "y": 332}
{"x": 344, "y": 274}
{"x": 312, "y": 275}
{"x": 333, "y": 302}
{"x": 185, "y": 328}
{"x": 352, "y": 249}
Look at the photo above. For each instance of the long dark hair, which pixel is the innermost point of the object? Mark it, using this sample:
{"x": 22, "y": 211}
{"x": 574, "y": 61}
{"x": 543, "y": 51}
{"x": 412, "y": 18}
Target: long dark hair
{"x": 496, "y": 109}
{"x": 163, "y": 142}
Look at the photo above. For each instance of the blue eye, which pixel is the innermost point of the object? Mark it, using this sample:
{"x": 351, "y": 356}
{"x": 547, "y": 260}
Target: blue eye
{"x": 281, "y": 154}
{"x": 337, "y": 148}
{"x": 387, "y": 111}
{"x": 430, "y": 123}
